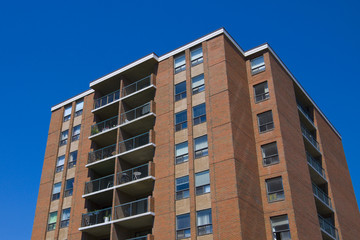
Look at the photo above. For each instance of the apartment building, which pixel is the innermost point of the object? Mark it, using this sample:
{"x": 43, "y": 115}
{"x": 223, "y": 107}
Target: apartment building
{"x": 205, "y": 142}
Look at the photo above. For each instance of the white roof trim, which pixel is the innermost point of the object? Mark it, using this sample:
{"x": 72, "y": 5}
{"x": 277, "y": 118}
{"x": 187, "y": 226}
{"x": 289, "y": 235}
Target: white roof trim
{"x": 131, "y": 65}
{"x": 72, "y": 99}
{"x": 189, "y": 45}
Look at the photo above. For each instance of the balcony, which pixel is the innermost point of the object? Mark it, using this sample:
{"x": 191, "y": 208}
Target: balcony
{"x": 317, "y": 173}
{"x": 140, "y": 91}
{"x": 104, "y": 131}
{"x": 311, "y": 144}
{"x": 102, "y": 185}
{"x": 107, "y": 103}
{"x": 137, "y": 181}
{"x": 138, "y": 119}
{"x": 322, "y": 200}
{"x": 97, "y": 223}
{"x": 102, "y": 160}
{"x": 328, "y": 230}
{"x": 135, "y": 215}
{"x": 306, "y": 118}
{"x": 146, "y": 237}
{"x": 139, "y": 149}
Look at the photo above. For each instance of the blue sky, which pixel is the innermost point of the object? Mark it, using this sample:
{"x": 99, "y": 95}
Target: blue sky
{"x": 51, "y": 50}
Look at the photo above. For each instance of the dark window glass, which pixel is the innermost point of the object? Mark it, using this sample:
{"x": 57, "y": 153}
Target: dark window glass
{"x": 180, "y": 121}
{"x": 270, "y": 153}
{"x": 180, "y": 91}
{"x": 275, "y": 189}
{"x": 265, "y": 121}
{"x": 199, "y": 114}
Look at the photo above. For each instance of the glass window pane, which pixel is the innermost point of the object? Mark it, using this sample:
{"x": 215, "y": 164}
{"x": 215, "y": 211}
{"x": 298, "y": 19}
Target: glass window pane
{"x": 182, "y": 183}
{"x": 76, "y": 130}
{"x": 73, "y": 156}
{"x": 203, "y": 217}
{"x": 180, "y": 117}
{"x": 257, "y": 62}
{"x": 60, "y": 160}
{"x": 67, "y": 110}
{"x": 64, "y": 134}
{"x": 179, "y": 60}
{"x": 265, "y": 117}
{"x": 79, "y": 105}
{"x": 180, "y": 87}
{"x": 269, "y": 149}
{"x": 69, "y": 184}
{"x": 57, "y": 188}
{"x": 201, "y": 142}
{"x": 274, "y": 184}
{"x": 65, "y": 214}
{"x": 197, "y": 81}
{"x": 181, "y": 149}
{"x": 199, "y": 110}
{"x": 196, "y": 53}
{"x": 202, "y": 178}
{"x": 52, "y": 217}
{"x": 183, "y": 221}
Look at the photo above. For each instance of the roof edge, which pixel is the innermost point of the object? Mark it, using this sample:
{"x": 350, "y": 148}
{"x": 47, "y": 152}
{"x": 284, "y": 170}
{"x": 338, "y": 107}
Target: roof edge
{"x": 83, "y": 94}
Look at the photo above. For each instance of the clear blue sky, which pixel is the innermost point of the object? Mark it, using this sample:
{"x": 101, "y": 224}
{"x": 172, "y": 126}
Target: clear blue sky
{"x": 51, "y": 50}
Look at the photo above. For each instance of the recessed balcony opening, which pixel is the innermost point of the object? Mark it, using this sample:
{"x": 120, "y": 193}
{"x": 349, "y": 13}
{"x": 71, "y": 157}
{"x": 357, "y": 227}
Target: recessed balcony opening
{"x": 104, "y": 131}
{"x": 328, "y": 229}
{"x": 138, "y": 119}
{"x": 97, "y": 221}
{"x": 108, "y": 105}
{"x": 311, "y": 144}
{"x": 317, "y": 172}
{"x": 139, "y": 92}
{"x": 121, "y": 233}
{"x": 322, "y": 199}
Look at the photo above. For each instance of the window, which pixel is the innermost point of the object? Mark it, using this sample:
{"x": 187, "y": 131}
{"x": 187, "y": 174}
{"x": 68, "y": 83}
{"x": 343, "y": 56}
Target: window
{"x": 182, "y": 187}
{"x": 201, "y": 146}
{"x": 65, "y": 216}
{"x": 280, "y": 228}
{"x": 60, "y": 163}
{"x": 67, "y": 113}
{"x": 179, "y": 63}
{"x": 180, "y": 120}
{"x": 180, "y": 91}
{"x": 265, "y": 121}
{"x": 199, "y": 114}
{"x": 257, "y": 65}
{"x": 202, "y": 182}
{"x": 198, "y": 84}
{"x": 69, "y": 187}
{"x": 64, "y": 137}
{"x": 72, "y": 159}
{"x": 275, "y": 189}
{"x": 261, "y": 92}
{"x": 76, "y": 133}
{"x": 183, "y": 226}
{"x": 269, "y": 154}
{"x": 52, "y": 221}
{"x": 181, "y": 152}
{"x": 79, "y": 107}
{"x": 204, "y": 222}
{"x": 196, "y": 56}
{"x": 56, "y": 191}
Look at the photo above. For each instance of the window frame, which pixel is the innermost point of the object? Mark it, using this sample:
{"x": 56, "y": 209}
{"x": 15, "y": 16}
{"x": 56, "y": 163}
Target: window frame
{"x": 257, "y": 69}
{"x": 207, "y": 227}
{"x": 182, "y": 67}
{"x": 71, "y": 161}
{"x": 181, "y": 95}
{"x": 197, "y": 60}
{"x": 63, "y": 141}
{"x": 279, "y": 195}
{"x": 184, "y": 157}
{"x": 269, "y": 126}
{"x": 204, "y": 151}
{"x": 67, "y": 117}
{"x": 64, "y": 222}
{"x": 204, "y": 188}
{"x": 201, "y": 118}
{"x": 75, "y": 137}
{"x": 183, "y": 193}
{"x": 200, "y": 88}
{"x": 265, "y": 95}
{"x": 274, "y": 158}
{"x": 181, "y": 125}
{"x": 185, "y": 231}
{"x": 69, "y": 191}
{"x": 51, "y": 225}
{"x": 274, "y": 232}
{"x": 80, "y": 111}
{"x": 59, "y": 168}
{"x": 55, "y": 196}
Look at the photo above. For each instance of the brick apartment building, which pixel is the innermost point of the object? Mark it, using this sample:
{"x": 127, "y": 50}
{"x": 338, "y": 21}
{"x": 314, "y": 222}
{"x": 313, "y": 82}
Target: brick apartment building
{"x": 205, "y": 142}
